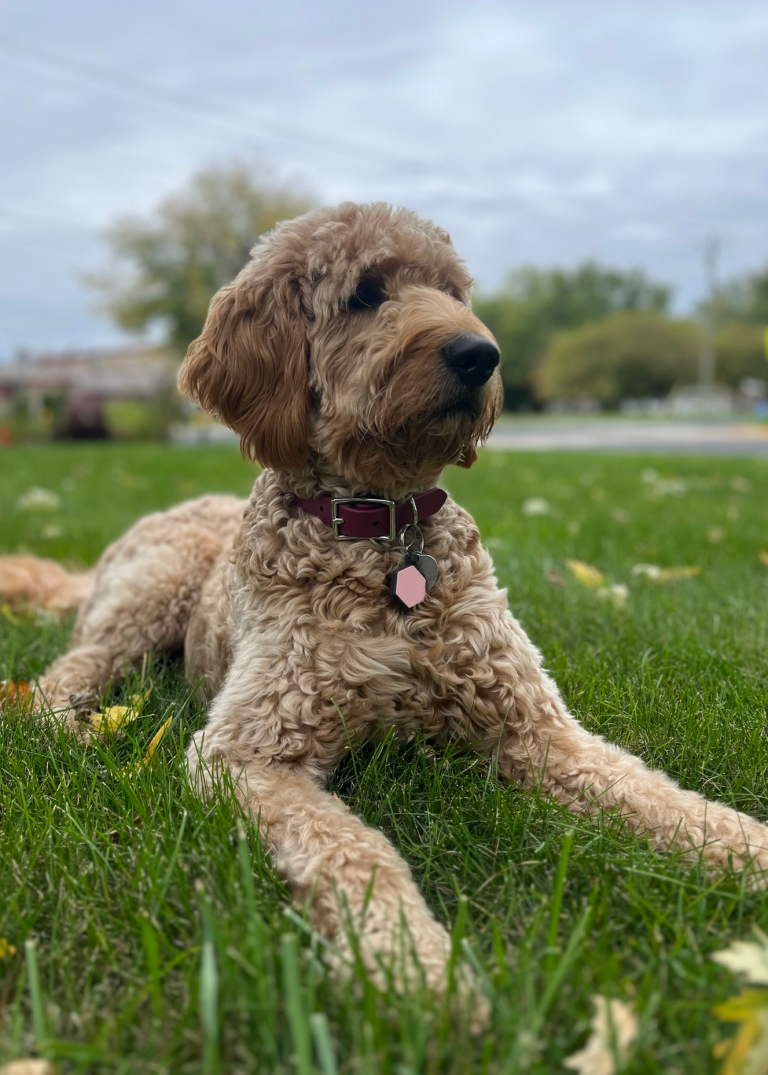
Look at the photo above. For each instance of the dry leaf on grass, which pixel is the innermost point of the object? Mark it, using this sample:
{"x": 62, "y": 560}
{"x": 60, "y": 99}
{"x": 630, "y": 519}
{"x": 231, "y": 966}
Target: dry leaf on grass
{"x": 746, "y": 1053}
{"x": 37, "y": 499}
{"x": 617, "y": 594}
{"x": 585, "y": 574}
{"x": 6, "y": 948}
{"x": 536, "y": 505}
{"x": 665, "y": 574}
{"x": 28, "y": 1067}
{"x": 763, "y": 557}
{"x": 614, "y": 1028}
{"x": 115, "y": 717}
{"x": 148, "y": 758}
{"x": 658, "y": 486}
{"x": 748, "y": 958}
{"x": 14, "y": 690}
{"x": 8, "y": 614}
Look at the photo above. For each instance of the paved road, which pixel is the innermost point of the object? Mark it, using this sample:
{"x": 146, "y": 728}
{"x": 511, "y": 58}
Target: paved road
{"x": 582, "y": 434}
{"x": 629, "y": 435}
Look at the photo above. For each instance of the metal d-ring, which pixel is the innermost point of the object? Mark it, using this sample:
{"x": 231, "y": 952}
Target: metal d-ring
{"x": 415, "y": 510}
{"x": 418, "y": 536}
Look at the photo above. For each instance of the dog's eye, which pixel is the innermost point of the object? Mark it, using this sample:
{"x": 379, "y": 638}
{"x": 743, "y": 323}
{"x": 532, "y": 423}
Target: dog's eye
{"x": 368, "y": 295}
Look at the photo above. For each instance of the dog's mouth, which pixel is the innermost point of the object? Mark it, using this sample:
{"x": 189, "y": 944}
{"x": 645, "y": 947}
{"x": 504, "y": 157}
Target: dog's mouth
{"x": 468, "y": 406}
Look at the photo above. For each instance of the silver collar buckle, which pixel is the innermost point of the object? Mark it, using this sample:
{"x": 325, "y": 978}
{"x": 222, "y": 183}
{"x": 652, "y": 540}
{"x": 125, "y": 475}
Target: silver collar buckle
{"x": 336, "y": 521}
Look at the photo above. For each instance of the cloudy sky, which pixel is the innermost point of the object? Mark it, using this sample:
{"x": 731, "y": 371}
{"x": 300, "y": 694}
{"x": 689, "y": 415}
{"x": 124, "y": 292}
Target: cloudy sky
{"x": 540, "y": 133}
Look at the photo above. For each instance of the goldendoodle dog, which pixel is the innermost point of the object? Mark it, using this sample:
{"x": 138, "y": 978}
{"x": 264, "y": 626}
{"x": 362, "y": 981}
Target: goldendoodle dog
{"x": 350, "y": 594}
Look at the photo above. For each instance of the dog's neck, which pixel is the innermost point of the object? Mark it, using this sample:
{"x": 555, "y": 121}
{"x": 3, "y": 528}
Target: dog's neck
{"x": 318, "y": 479}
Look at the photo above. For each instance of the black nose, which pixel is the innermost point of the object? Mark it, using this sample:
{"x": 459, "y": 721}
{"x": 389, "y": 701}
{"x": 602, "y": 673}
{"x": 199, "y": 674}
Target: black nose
{"x": 472, "y": 358}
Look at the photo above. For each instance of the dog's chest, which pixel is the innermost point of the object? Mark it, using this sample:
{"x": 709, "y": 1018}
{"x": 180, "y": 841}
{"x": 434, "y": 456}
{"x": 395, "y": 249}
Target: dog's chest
{"x": 327, "y": 610}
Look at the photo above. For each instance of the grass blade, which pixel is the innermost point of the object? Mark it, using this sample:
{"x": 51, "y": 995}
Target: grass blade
{"x": 39, "y": 1021}
{"x": 557, "y": 900}
{"x": 296, "y": 1017}
{"x": 323, "y": 1044}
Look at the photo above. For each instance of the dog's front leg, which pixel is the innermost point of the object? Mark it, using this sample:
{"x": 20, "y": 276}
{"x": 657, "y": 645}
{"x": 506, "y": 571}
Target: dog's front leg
{"x": 538, "y": 741}
{"x": 348, "y": 875}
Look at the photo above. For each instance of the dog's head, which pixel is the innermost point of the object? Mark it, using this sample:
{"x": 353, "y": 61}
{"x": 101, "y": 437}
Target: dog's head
{"x": 348, "y": 340}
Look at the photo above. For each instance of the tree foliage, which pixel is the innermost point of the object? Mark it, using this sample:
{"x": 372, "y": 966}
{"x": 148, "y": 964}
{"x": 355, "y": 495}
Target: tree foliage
{"x": 744, "y": 298}
{"x": 169, "y": 265}
{"x": 629, "y": 355}
{"x": 534, "y": 304}
{"x": 740, "y": 352}
{"x": 638, "y": 355}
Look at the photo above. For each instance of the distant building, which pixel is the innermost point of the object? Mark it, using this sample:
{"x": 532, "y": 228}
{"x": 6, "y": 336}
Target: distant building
{"x": 78, "y": 385}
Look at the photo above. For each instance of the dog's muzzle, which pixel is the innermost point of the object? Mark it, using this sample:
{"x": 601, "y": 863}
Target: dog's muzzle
{"x": 472, "y": 358}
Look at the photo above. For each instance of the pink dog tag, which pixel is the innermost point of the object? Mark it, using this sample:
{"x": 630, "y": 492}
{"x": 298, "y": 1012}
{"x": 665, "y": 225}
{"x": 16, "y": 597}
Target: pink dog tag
{"x": 409, "y": 586}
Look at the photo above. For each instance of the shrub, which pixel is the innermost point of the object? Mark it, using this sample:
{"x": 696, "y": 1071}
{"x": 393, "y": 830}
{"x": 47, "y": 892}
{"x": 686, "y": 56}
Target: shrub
{"x": 740, "y": 353}
{"x": 629, "y": 355}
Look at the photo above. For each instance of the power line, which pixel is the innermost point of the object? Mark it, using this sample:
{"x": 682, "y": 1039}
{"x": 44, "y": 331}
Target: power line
{"x": 202, "y": 107}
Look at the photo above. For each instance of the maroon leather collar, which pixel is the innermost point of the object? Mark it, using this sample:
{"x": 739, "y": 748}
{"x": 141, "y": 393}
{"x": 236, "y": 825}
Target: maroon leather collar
{"x": 372, "y": 517}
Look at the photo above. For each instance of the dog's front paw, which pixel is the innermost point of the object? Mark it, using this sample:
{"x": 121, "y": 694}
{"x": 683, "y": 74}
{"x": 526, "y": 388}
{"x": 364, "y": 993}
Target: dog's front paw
{"x": 410, "y": 957}
{"x": 743, "y": 849}
{"x": 755, "y": 865}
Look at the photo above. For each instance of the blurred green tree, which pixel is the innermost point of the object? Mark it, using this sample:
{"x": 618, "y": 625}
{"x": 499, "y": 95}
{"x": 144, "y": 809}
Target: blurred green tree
{"x": 740, "y": 351}
{"x": 170, "y": 264}
{"x": 534, "y": 304}
{"x": 630, "y": 355}
{"x": 744, "y": 298}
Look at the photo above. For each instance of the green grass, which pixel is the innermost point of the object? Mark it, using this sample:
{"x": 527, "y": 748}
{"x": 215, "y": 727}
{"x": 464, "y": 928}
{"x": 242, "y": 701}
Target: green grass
{"x": 162, "y": 939}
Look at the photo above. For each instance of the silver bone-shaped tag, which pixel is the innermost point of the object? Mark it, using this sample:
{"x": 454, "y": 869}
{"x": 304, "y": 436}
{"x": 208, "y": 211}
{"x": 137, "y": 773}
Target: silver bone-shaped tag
{"x": 427, "y": 565}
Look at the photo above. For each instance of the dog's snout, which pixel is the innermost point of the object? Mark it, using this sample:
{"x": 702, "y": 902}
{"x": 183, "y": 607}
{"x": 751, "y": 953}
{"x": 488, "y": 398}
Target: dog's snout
{"x": 472, "y": 358}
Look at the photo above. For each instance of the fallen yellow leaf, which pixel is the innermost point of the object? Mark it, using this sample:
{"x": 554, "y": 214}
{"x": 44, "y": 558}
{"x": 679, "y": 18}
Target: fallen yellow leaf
{"x": 148, "y": 756}
{"x": 746, "y": 1053}
{"x": 14, "y": 690}
{"x": 672, "y": 574}
{"x": 7, "y": 613}
{"x": 665, "y": 574}
{"x": 585, "y": 574}
{"x": 6, "y": 948}
{"x": 156, "y": 740}
{"x": 763, "y": 557}
{"x": 115, "y": 717}
{"x": 110, "y": 719}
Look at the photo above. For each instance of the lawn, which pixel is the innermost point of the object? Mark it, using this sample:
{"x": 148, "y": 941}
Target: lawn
{"x": 165, "y": 942}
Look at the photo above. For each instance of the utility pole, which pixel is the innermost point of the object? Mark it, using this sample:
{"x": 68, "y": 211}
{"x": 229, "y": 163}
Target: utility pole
{"x": 707, "y": 353}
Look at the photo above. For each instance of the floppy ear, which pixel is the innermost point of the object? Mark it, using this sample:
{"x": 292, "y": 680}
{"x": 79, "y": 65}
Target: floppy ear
{"x": 249, "y": 368}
